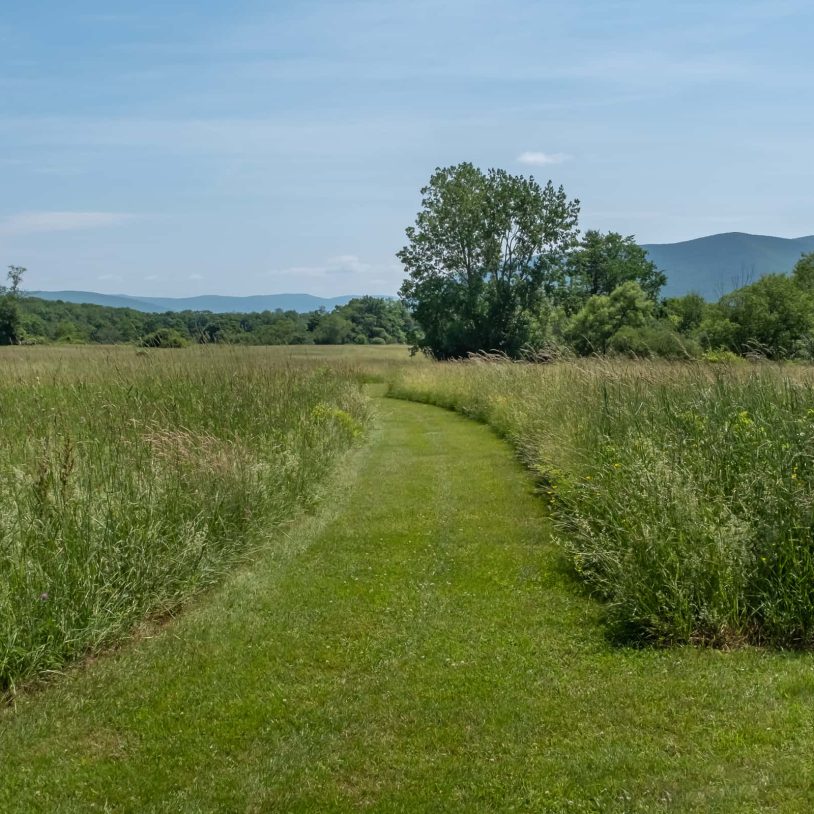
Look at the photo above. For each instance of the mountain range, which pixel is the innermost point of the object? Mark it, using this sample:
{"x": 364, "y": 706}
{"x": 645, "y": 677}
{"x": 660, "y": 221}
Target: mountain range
{"x": 712, "y": 266}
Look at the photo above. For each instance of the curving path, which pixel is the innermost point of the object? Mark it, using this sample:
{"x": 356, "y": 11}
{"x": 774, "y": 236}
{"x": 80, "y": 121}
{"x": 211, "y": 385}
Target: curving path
{"x": 414, "y": 648}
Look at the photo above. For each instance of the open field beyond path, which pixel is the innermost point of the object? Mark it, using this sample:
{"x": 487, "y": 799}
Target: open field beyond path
{"x": 415, "y": 647}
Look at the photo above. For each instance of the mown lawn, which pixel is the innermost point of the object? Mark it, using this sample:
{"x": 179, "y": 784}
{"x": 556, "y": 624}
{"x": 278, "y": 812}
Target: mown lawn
{"x": 418, "y": 646}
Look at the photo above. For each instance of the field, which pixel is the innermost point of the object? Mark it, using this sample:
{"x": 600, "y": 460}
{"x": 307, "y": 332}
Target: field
{"x": 130, "y": 481}
{"x": 683, "y": 493}
{"x": 399, "y": 616}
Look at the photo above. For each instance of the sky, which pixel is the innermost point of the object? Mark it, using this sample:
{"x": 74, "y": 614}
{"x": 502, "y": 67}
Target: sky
{"x": 184, "y": 147}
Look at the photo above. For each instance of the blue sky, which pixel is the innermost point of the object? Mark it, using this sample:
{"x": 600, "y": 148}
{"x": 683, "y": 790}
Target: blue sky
{"x": 175, "y": 147}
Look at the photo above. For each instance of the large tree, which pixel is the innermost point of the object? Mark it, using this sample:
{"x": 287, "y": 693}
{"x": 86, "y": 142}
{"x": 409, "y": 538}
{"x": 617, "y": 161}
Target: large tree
{"x": 484, "y": 251}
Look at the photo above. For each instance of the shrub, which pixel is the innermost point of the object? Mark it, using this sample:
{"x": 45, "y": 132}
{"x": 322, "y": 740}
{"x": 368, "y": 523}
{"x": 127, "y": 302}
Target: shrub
{"x": 163, "y": 338}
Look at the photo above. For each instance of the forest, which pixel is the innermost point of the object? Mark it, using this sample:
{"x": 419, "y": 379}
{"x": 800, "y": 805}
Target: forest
{"x": 365, "y": 320}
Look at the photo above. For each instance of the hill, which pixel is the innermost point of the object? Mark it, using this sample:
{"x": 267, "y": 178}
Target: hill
{"x": 302, "y": 303}
{"x": 713, "y": 265}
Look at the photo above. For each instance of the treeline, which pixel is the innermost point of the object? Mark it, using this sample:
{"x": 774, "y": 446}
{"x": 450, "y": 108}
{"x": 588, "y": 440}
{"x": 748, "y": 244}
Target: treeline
{"x": 496, "y": 262}
{"x": 365, "y": 320}
{"x": 772, "y": 318}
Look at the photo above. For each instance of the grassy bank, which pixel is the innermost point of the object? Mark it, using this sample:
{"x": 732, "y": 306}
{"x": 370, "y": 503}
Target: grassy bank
{"x": 682, "y": 492}
{"x": 130, "y": 480}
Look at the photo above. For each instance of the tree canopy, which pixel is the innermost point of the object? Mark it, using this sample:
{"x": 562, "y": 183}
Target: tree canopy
{"x": 602, "y": 263}
{"x": 483, "y": 251}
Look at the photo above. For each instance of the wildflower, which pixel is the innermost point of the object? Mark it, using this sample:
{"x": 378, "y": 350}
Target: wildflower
{"x": 44, "y": 596}
{"x": 744, "y": 419}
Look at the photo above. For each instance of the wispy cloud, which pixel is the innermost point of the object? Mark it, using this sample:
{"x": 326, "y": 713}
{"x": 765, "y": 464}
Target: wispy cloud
{"x": 338, "y": 275}
{"x": 538, "y": 159}
{"x": 26, "y": 223}
{"x": 344, "y": 264}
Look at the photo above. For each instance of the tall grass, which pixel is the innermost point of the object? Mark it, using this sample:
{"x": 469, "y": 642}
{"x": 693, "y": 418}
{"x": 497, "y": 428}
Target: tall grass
{"x": 684, "y": 494}
{"x": 130, "y": 480}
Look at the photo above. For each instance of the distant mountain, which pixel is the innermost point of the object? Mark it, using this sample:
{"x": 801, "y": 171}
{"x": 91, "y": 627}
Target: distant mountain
{"x": 215, "y": 303}
{"x": 714, "y": 265}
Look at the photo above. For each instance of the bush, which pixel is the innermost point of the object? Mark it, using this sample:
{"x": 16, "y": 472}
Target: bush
{"x": 163, "y": 338}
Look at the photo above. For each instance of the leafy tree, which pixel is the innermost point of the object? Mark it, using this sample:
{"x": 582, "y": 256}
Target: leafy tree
{"x": 686, "y": 313}
{"x": 483, "y": 250}
{"x": 602, "y": 316}
{"x": 333, "y": 329}
{"x": 771, "y": 315}
{"x": 803, "y": 272}
{"x": 716, "y": 330}
{"x": 601, "y": 264}
{"x": 10, "y": 322}
{"x": 376, "y": 317}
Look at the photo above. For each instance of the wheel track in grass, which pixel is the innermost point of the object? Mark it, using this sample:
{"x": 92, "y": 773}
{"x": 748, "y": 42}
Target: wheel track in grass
{"x": 415, "y": 647}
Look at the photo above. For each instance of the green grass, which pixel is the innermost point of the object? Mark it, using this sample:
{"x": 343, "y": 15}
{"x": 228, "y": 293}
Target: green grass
{"x": 132, "y": 480}
{"x": 681, "y": 491}
{"x": 417, "y": 646}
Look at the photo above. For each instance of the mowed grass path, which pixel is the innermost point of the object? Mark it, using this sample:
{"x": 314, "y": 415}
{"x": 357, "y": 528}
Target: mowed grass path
{"x": 414, "y": 648}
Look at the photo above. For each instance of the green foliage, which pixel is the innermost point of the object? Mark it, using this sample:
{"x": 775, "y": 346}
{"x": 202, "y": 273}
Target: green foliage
{"x": 803, "y": 273}
{"x": 600, "y": 264}
{"x": 163, "y": 338}
{"x": 686, "y": 313}
{"x": 359, "y": 320}
{"x": 483, "y": 250}
{"x": 10, "y": 324}
{"x": 602, "y": 316}
{"x": 768, "y": 316}
{"x": 332, "y": 329}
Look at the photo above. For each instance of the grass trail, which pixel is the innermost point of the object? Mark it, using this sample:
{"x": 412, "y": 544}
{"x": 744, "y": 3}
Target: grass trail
{"x": 416, "y": 648}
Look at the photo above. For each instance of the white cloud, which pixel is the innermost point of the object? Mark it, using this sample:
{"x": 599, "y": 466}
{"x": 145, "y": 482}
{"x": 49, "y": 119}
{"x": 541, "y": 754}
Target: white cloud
{"x": 26, "y": 223}
{"x": 195, "y": 277}
{"x": 538, "y": 159}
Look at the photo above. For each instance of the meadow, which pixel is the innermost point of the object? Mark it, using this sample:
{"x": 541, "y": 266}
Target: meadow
{"x": 396, "y": 615}
{"x": 131, "y": 480}
{"x": 681, "y": 492}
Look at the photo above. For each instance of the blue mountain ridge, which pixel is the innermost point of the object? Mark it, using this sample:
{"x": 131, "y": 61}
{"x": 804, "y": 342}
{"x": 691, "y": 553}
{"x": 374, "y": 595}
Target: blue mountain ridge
{"x": 713, "y": 265}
